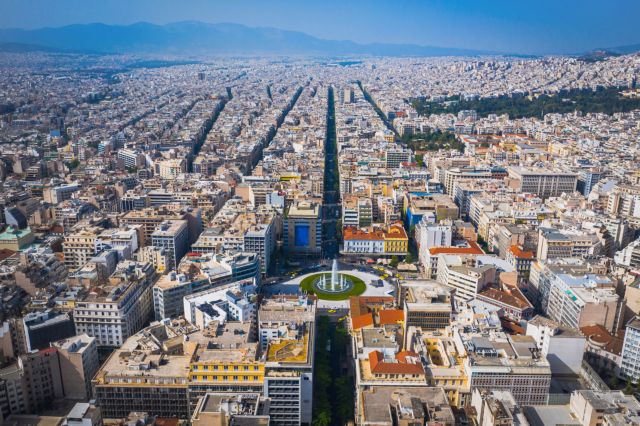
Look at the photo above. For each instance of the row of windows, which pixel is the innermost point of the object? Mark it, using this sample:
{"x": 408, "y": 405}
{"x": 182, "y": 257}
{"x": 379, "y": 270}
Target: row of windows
{"x": 225, "y": 368}
{"x": 226, "y": 378}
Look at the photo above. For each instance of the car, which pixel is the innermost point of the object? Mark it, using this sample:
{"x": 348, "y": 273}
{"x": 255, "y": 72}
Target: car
{"x": 332, "y": 311}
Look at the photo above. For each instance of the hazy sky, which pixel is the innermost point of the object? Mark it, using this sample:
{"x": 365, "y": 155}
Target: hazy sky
{"x": 525, "y": 26}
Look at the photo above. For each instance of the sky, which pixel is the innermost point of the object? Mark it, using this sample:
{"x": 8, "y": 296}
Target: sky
{"x": 511, "y": 26}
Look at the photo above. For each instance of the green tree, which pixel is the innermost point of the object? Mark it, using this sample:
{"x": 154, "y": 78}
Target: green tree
{"x": 613, "y": 382}
{"x": 344, "y": 396}
{"x": 409, "y": 258}
{"x": 628, "y": 389}
{"x": 322, "y": 419}
{"x": 394, "y": 261}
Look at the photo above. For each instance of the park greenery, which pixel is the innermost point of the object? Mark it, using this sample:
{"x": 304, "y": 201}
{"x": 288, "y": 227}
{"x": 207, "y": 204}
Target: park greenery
{"x": 333, "y": 389}
{"x": 356, "y": 289}
{"x": 607, "y": 100}
{"x": 432, "y": 141}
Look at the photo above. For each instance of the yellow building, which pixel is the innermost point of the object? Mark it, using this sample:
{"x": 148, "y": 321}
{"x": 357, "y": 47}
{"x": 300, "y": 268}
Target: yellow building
{"x": 226, "y": 366}
{"x": 446, "y": 368}
{"x": 226, "y": 360}
{"x": 396, "y": 240}
{"x": 286, "y": 177}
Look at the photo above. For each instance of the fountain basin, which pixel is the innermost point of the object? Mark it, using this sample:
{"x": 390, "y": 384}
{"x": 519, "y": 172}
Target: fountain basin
{"x": 352, "y": 286}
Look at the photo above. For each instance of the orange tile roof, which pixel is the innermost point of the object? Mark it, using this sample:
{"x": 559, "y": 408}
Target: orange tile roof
{"x": 361, "y": 321}
{"x": 521, "y": 254}
{"x": 390, "y": 316}
{"x": 601, "y": 336}
{"x": 360, "y": 305}
{"x": 512, "y": 326}
{"x": 403, "y": 355}
{"x": 473, "y": 248}
{"x": 509, "y": 296}
{"x": 5, "y": 253}
{"x": 379, "y": 366}
{"x": 354, "y": 233}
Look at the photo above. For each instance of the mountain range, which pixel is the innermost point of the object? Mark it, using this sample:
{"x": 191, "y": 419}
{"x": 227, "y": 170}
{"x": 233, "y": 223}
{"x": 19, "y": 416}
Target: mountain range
{"x": 198, "y": 38}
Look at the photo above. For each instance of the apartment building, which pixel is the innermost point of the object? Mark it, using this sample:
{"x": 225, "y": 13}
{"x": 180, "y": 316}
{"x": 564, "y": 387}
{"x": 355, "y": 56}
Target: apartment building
{"x": 630, "y": 361}
{"x": 396, "y": 156}
{"x": 151, "y": 218}
{"x": 465, "y": 275}
{"x": 512, "y": 363}
{"x": 118, "y": 310}
{"x": 455, "y": 174}
{"x": 555, "y": 243}
{"x": 288, "y": 381}
{"x": 79, "y": 247}
{"x": 143, "y": 376}
{"x": 543, "y": 182}
{"x": 382, "y": 405}
{"x": 573, "y": 294}
{"x": 131, "y": 158}
{"x": 444, "y": 366}
{"x": 78, "y": 358}
{"x": 173, "y": 236}
{"x": 426, "y": 304}
{"x": 200, "y": 272}
{"x": 31, "y": 383}
{"x": 261, "y": 239}
{"x": 229, "y": 302}
{"x": 156, "y": 256}
{"x": 357, "y": 211}
{"x": 171, "y": 168}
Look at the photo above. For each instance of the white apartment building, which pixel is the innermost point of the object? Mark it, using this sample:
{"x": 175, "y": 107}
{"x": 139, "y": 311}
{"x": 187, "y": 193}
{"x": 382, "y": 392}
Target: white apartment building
{"x": 630, "y": 363}
{"x": 543, "y": 182}
{"x": 230, "y": 302}
{"x": 172, "y": 235}
{"x": 119, "y": 309}
{"x": 430, "y": 235}
{"x": 464, "y": 275}
{"x": 261, "y": 239}
{"x": 79, "y": 247}
{"x": 199, "y": 273}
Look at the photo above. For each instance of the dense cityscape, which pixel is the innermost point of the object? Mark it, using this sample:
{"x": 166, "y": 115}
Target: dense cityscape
{"x": 361, "y": 240}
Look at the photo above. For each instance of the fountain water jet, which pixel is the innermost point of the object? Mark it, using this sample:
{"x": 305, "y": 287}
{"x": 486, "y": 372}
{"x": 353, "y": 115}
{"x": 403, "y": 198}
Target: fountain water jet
{"x": 336, "y": 282}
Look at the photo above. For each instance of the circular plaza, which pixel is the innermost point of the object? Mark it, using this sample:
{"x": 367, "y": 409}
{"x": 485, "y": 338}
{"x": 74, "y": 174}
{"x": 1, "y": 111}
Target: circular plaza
{"x": 333, "y": 288}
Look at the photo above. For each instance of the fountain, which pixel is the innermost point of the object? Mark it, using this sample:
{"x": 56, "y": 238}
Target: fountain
{"x": 335, "y": 282}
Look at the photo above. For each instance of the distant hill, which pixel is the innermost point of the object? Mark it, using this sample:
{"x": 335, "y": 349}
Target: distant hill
{"x": 202, "y": 38}
{"x": 625, "y": 50}
{"x": 598, "y": 55}
{"x": 603, "y": 53}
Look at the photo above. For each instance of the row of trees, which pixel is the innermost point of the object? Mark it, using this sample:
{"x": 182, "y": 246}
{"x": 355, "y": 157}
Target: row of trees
{"x": 333, "y": 391}
{"x": 602, "y": 100}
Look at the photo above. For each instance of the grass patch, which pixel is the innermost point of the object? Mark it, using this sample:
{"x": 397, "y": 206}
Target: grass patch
{"x": 356, "y": 289}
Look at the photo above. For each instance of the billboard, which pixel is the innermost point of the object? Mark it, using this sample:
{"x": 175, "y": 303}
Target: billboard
{"x": 301, "y": 235}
